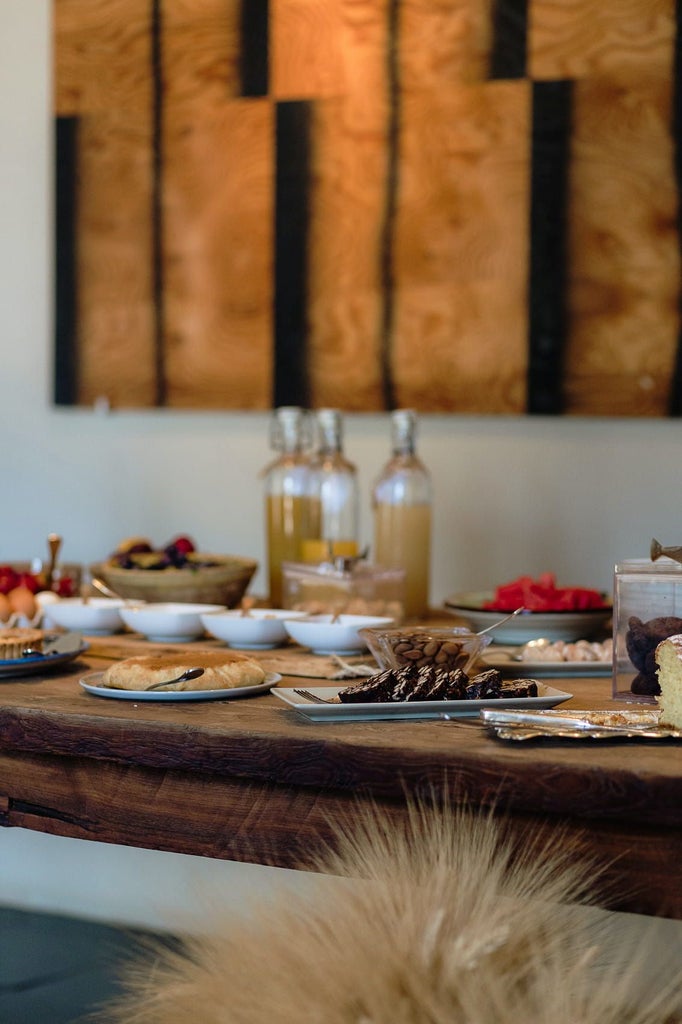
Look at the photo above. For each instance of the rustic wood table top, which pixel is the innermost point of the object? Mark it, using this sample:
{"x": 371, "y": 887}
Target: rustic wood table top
{"x": 251, "y": 780}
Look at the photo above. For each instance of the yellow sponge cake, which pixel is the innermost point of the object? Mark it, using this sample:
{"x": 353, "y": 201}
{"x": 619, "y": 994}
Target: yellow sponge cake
{"x": 669, "y": 661}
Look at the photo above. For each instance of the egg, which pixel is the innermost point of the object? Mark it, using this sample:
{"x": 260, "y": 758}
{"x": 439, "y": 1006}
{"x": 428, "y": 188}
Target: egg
{"x": 23, "y": 602}
{"x": 5, "y": 608}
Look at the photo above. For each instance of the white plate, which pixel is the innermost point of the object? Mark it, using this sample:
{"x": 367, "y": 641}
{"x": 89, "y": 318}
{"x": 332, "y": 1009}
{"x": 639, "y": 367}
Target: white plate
{"x": 549, "y": 698}
{"x": 502, "y": 660}
{"x": 92, "y": 685}
{"x": 580, "y": 625}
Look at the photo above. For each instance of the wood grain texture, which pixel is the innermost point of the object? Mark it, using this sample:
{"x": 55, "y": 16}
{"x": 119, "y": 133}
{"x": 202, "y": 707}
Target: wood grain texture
{"x": 624, "y": 250}
{"x": 101, "y": 55}
{"x": 115, "y": 307}
{"x": 415, "y": 228}
{"x": 309, "y": 56}
{"x": 460, "y": 325}
{"x": 586, "y": 39}
{"x": 284, "y": 826}
{"x": 218, "y": 217}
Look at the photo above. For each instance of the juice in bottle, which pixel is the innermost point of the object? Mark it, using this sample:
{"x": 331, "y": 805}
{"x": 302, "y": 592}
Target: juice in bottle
{"x": 292, "y": 510}
{"x": 401, "y": 502}
{"x": 335, "y": 484}
{"x": 403, "y": 540}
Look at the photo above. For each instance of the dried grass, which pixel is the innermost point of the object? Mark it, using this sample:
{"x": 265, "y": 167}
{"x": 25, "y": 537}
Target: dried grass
{"x": 450, "y": 924}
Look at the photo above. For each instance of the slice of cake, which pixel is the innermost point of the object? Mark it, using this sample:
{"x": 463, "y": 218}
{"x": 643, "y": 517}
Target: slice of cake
{"x": 13, "y": 642}
{"x": 669, "y": 661}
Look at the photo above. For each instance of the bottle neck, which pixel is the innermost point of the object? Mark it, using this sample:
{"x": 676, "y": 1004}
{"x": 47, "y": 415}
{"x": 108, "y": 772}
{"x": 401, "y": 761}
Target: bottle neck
{"x": 403, "y": 432}
{"x": 289, "y": 434}
{"x": 330, "y": 432}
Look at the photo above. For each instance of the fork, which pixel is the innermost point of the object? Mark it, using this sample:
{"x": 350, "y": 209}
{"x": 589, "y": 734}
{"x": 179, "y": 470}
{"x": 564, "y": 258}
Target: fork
{"x": 312, "y": 697}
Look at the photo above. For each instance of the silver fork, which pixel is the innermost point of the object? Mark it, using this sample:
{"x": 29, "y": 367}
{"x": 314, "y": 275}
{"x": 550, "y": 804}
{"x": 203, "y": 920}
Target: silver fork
{"x": 312, "y": 697}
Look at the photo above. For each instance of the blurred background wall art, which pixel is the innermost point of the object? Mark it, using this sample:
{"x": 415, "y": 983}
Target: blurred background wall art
{"x": 464, "y": 206}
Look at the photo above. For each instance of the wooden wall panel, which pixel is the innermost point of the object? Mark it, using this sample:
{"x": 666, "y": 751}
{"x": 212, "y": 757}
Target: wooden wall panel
{"x": 348, "y": 211}
{"x": 307, "y": 47}
{"x": 625, "y": 267}
{"x": 114, "y": 262}
{"x": 102, "y": 52}
{"x": 218, "y": 237}
{"x": 459, "y": 277}
{"x": 588, "y": 39}
{"x": 459, "y": 205}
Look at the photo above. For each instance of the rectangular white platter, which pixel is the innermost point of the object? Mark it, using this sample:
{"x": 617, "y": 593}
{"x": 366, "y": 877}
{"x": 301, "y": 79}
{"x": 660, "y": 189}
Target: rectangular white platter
{"x": 548, "y": 697}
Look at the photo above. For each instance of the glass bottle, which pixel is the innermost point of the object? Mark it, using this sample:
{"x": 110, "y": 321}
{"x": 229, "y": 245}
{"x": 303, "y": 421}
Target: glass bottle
{"x": 401, "y": 502}
{"x": 335, "y": 484}
{"x": 292, "y": 510}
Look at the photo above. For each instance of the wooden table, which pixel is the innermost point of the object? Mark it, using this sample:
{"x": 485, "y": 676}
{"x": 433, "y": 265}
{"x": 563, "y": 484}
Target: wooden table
{"x": 250, "y": 780}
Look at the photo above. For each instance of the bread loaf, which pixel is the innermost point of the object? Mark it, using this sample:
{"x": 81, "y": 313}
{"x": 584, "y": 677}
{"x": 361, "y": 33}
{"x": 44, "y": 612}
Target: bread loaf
{"x": 222, "y": 670}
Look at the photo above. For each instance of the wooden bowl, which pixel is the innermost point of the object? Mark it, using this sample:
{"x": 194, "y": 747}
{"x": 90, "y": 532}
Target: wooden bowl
{"x": 223, "y": 584}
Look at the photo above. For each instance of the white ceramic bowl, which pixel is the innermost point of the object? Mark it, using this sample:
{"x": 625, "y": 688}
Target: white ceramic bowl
{"x": 568, "y": 626}
{"x": 323, "y": 636}
{"x": 168, "y": 623}
{"x": 98, "y": 616}
{"x": 261, "y": 629}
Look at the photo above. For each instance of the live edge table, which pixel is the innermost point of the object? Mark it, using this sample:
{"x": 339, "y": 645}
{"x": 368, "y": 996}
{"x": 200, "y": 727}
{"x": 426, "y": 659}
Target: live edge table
{"x": 250, "y": 780}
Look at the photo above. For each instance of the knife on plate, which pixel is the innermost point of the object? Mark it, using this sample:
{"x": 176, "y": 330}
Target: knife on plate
{"x": 56, "y": 643}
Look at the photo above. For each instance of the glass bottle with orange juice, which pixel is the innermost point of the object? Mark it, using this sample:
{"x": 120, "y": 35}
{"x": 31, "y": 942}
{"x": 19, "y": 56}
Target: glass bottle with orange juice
{"x": 292, "y": 508}
{"x": 401, "y": 503}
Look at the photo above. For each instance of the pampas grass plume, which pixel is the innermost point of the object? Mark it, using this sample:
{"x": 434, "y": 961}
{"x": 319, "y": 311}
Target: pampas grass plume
{"x": 443, "y": 921}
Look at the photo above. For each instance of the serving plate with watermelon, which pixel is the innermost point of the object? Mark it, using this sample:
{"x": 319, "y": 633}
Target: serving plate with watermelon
{"x": 550, "y": 611}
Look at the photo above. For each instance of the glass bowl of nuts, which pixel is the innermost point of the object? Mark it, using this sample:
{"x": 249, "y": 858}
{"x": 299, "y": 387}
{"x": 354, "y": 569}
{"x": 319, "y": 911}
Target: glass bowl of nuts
{"x": 418, "y": 646}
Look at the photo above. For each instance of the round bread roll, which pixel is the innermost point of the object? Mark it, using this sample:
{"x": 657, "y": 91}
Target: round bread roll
{"x": 222, "y": 670}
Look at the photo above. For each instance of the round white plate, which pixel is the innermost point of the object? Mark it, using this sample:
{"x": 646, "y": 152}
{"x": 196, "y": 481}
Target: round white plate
{"x": 579, "y": 625}
{"x": 92, "y": 683}
{"x": 507, "y": 664}
{"x": 9, "y": 668}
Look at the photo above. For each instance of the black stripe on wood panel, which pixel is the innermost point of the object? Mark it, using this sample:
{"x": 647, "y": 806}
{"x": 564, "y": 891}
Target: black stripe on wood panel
{"x": 675, "y": 400}
{"x": 254, "y": 48}
{"x": 66, "y": 210}
{"x": 547, "y": 314}
{"x": 509, "y": 48}
{"x": 158, "y": 290}
{"x": 292, "y": 216}
{"x": 387, "y": 279}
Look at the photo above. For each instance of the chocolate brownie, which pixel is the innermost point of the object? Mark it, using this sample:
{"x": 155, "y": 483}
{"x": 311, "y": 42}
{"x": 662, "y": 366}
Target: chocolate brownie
{"x": 377, "y": 689}
{"x": 484, "y": 686}
{"x": 519, "y": 688}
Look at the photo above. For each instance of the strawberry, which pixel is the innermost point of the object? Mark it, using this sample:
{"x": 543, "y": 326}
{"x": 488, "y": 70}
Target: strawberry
{"x": 64, "y": 587}
{"x": 9, "y": 579}
{"x": 30, "y": 581}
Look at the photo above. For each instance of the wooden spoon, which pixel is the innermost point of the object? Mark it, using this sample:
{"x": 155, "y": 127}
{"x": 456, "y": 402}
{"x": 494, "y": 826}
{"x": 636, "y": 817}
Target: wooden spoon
{"x": 54, "y": 543}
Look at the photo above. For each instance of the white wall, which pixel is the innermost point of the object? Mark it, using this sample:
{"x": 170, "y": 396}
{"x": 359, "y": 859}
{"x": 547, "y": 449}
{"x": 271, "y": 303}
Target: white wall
{"x": 512, "y": 495}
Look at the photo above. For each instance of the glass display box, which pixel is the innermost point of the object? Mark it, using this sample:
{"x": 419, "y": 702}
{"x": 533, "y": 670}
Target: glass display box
{"x": 344, "y": 585}
{"x": 647, "y": 608}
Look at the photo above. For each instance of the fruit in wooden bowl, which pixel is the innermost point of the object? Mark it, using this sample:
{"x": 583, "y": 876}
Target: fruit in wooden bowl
{"x": 176, "y": 572}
